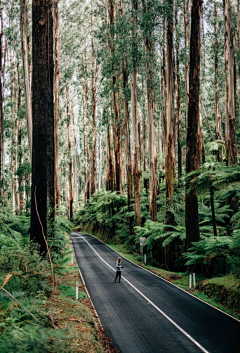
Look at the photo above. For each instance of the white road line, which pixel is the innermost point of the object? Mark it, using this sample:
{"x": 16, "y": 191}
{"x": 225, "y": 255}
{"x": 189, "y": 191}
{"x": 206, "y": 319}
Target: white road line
{"x": 148, "y": 300}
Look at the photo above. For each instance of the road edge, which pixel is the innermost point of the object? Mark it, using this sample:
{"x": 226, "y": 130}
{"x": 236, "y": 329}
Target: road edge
{"x": 101, "y": 329}
{"x": 194, "y": 296}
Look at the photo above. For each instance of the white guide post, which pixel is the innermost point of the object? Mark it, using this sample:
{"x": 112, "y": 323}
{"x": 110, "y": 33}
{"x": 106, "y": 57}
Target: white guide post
{"x": 190, "y": 281}
{"x": 77, "y": 290}
{"x": 72, "y": 259}
{"x": 194, "y": 280}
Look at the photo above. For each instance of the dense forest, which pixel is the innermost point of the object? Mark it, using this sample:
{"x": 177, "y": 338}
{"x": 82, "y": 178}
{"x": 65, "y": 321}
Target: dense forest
{"x": 122, "y": 116}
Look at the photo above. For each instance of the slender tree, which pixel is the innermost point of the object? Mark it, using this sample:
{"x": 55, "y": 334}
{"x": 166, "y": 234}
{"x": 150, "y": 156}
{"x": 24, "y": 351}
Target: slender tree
{"x": 134, "y": 96}
{"x": 1, "y": 104}
{"x": 94, "y": 76}
{"x": 152, "y": 158}
{"x": 230, "y": 85}
{"x": 24, "y": 24}
{"x": 56, "y": 100}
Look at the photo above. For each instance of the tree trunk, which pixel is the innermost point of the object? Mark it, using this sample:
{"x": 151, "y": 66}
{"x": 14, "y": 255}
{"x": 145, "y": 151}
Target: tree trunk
{"x": 218, "y": 121}
{"x": 26, "y": 69}
{"x": 117, "y": 124}
{"x": 1, "y": 107}
{"x": 70, "y": 168}
{"x": 110, "y": 184}
{"x": 170, "y": 158}
{"x": 20, "y": 176}
{"x": 94, "y": 75}
{"x": 42, "y": 200}
{"x": 86, "y": 143}
{"x": 152, "y": 158}
{"x": 193, "y": 143}
{"x": 56, "y": 101}
{"x": 230, "y": 86}
{"x": 125, "y": 74}
{"x": 134, "y": 97}
{"x": 238, "y": 44}
{"x": 187, "y": 35}
{"x": 179, "y": 119}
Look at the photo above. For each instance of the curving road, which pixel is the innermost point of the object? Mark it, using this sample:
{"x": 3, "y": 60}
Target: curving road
{"x": 146, "y": 314}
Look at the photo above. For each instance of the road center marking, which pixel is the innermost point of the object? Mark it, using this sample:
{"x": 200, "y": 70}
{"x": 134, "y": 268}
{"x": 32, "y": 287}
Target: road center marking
{"x": 148, "y": 300}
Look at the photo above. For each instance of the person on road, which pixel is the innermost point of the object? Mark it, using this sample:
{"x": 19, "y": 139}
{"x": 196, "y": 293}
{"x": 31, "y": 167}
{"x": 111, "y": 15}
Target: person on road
{"x": 118, "y": 269}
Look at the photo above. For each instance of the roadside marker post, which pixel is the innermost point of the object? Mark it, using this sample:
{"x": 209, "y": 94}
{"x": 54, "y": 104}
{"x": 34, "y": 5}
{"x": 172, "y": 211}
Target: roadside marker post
{"x": 70, "y": 248}
{"x": 190, "y": 281}
{"x": 72, "y": 259}
{"x": 77, "y": 290}
{"x": 145, "y": 259}
{"x": 194, "y": 280}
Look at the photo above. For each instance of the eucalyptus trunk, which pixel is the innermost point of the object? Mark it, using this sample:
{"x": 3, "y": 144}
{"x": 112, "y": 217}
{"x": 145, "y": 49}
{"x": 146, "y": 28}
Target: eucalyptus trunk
{"x": 24, "y": 29}
{"x": 56, "y": 101}
{"x": 193, "y": 143}
{"x": 70, "y": 164}
{"x": 43, "y": 193}
{"x": 152, "y": 158}
{"x": 230, "y": 86}
{"x": 116, "y": 107}
{"x": 1, "y": 106}
{"x": 179, "y": 119}
{"x": 94, "y": 75}
{"x": 136, "y": 141}
{"x": 187, "y": 38}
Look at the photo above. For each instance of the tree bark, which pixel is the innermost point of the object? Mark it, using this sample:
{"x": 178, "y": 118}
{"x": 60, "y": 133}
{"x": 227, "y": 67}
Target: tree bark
{"x": 187, "y": 36}
{"x": 117, "y": 122}
{"x": 70, "y": 167}
{"x": 134, "y": 97}
{"x": 56, "y": 101}
{"x": 94, "y": 74}
{"x": 42, "y": 200}
{"x": 230, "y": 86}
{"x": 179, "y": 119}
{"x": 26, "y": 69}
{"x": 152, "y": 158}
{"x": 193, "y": 143}
{"x": 1, "y": 107}
{"x": 170, "y": 158}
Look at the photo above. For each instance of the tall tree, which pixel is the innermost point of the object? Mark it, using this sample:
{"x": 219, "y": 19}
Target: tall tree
{"x": 70, "y": 163}
{"x": 1, "y": 104}
{"x": 152, "y": 158}
{"x": 218, "y": 131}
{"x": 56, "y": 100}
{"x": 116, "y": 106}
{"x": 125, "y": 75}
{"x": 94, "y": 76}
{"x": 170, "y": 158}
{"x": 43, "y": 194}
{"x": 24, "y": 24}
{"x": 230, "y": 85}
{"x": 193, "y": 140}
{"x": 134, "y": 96}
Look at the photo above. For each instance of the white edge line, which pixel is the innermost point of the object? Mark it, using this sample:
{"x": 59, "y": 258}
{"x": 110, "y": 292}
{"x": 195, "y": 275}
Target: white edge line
{"x": 149, "y": 301}
{"x": 154, "y": 274}
{"x": 83, "y": 282}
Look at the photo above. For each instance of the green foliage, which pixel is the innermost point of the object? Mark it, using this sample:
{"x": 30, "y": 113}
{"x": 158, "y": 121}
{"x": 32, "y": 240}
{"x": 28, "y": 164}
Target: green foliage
{"x": 102, "y": 213}
{"x": 27, "y": 278}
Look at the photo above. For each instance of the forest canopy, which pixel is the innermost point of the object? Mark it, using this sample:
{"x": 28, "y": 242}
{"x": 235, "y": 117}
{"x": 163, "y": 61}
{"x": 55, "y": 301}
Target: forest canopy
{"x": 123, "y": 115}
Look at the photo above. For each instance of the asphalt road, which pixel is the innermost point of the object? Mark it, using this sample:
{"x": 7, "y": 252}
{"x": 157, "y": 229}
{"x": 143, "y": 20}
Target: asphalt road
{"x": 144, "y": 313}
